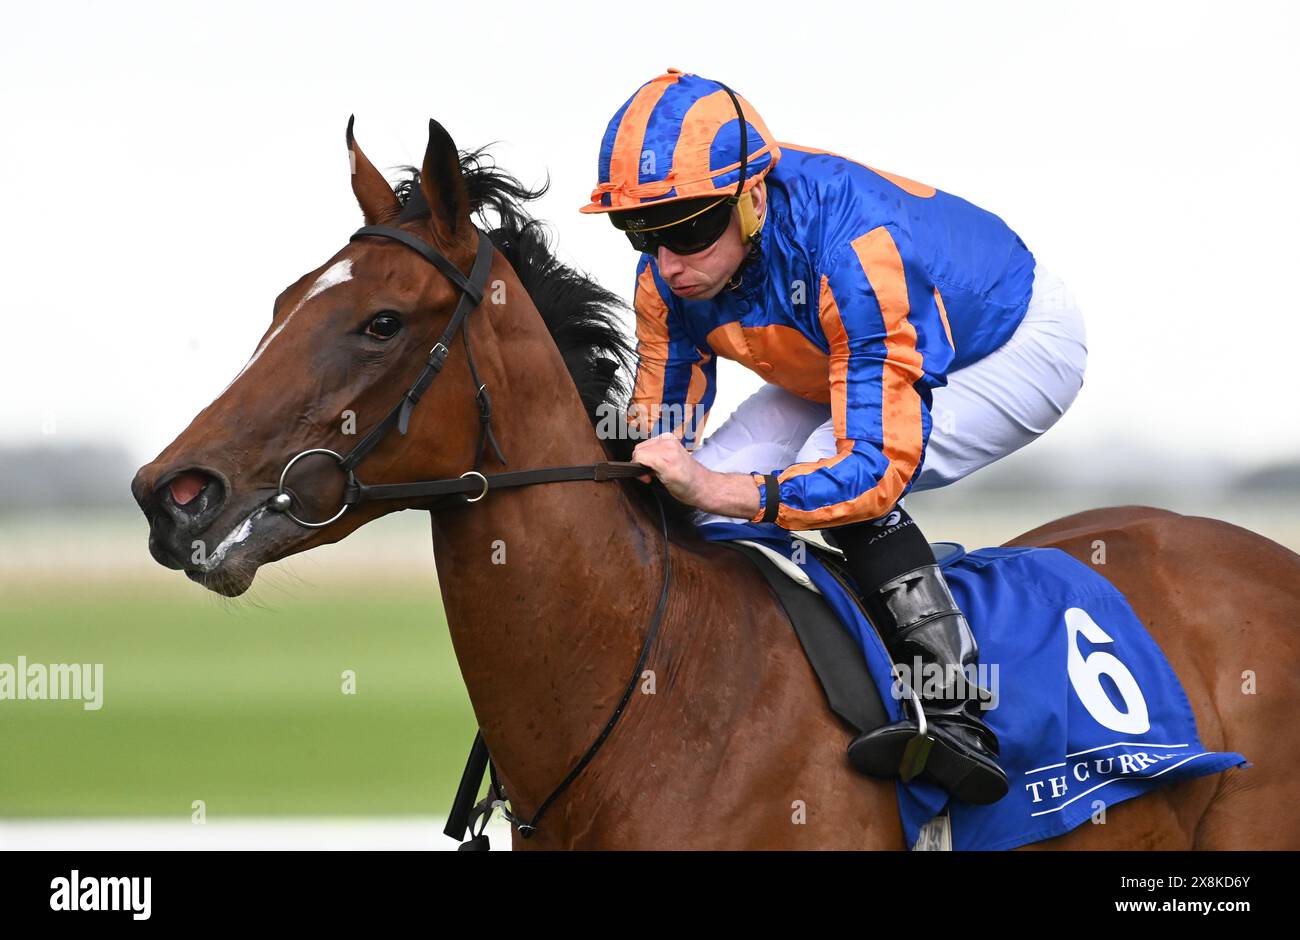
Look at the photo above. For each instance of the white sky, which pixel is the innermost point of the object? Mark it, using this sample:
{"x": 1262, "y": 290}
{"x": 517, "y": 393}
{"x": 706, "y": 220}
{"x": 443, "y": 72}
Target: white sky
{"x": 169, "y": 168}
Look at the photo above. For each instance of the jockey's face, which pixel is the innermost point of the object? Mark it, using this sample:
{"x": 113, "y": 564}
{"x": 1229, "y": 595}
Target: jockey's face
{"x": 702, "y": 275}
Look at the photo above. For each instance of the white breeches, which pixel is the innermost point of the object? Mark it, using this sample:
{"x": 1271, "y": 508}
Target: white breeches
{"x": 987, "y": 410}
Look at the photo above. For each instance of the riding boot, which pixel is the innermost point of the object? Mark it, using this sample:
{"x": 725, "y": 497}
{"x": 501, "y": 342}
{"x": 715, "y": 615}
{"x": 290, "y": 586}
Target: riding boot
{"x": 944, "y": 739}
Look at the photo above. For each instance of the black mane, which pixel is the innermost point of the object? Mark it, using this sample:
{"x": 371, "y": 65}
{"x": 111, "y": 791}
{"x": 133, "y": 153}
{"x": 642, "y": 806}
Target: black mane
{"x": 581, "y": 316}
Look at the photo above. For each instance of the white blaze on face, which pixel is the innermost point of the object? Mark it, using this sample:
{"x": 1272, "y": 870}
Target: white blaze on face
{"x": 336, "y": 274}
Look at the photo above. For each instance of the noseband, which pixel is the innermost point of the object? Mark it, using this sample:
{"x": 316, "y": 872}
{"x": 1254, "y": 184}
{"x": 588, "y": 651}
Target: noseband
{"x": 472, "y": 290}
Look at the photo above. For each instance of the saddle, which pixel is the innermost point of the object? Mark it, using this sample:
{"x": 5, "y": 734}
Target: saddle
{"x": 832, "y": 651}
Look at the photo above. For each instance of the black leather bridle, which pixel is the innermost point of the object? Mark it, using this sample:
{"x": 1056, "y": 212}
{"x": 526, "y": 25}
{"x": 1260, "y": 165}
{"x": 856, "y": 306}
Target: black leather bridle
{"x": 472, "y": 291}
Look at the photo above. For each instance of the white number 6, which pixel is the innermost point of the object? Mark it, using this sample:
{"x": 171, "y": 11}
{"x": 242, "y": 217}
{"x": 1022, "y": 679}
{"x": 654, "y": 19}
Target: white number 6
{"x": 1085, "y": 676}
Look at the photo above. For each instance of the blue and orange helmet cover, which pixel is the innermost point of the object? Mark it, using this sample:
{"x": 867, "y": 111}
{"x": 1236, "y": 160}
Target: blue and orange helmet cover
{"x": 678, "y": 137}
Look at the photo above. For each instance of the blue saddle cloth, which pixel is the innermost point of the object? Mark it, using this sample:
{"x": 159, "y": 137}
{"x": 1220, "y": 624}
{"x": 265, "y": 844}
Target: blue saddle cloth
{"x": 1087, "y": 710}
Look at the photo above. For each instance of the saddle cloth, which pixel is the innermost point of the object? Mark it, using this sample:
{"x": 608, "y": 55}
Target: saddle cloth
{"x": 1087, "y": 710}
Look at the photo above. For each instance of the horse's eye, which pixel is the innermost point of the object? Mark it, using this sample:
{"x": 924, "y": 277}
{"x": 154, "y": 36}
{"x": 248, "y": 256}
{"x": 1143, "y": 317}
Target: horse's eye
{"x": 383, "y": 326}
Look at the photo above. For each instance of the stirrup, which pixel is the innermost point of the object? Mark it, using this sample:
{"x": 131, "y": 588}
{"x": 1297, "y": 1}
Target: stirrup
{"x": 925, "y": 749}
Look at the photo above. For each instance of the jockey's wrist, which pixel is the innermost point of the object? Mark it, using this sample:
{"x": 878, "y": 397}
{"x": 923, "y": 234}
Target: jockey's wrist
{"x": 730, "y": 494}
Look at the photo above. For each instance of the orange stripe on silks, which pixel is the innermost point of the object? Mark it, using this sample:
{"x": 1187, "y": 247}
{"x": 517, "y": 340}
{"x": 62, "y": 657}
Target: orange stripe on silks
{"x": 699, "y": 432}
{"x": 699, "y": 382}
{"x": 728, "y": 341}
{"x": 911, "y": 187}
{"x": 779, "y": 354}
{"x": 759, "y": 480}
{"x": 692, "y": 170}
{"x": 833, "y": 326}
{"x": 625, "y": 157}
{"x": 784, "y": 356}
{"x": 900, "y": 403}
{"x": 652, "y": 352}
{"x": 943, "y": 315}
{"x": 694, "y": 395}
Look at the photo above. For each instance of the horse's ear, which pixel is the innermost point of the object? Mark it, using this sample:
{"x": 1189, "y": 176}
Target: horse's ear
{"x": 443, "y": 186}
{"x": 378, "y": 202}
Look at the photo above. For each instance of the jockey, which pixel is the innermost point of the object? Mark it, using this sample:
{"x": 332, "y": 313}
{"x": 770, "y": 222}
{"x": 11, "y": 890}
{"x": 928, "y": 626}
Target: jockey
{"x": 907, "y": 338}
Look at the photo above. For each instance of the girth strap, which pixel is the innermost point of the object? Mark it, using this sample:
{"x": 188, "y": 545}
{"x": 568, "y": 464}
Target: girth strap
{"x": 462, "y": 809}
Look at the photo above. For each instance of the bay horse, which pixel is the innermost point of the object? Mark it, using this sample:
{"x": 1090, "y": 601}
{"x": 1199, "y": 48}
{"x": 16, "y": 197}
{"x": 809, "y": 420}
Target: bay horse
{"x": 549, "y": 590}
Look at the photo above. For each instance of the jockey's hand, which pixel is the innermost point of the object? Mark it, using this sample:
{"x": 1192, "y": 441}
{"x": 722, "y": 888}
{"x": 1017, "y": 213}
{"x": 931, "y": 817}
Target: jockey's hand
{"x": 677, "y": 470}
{"x": 727, "y": 494}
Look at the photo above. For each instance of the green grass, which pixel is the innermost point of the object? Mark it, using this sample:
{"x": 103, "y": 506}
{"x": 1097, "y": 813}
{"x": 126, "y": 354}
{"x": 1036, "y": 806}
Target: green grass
{"x": 236, "y": 705}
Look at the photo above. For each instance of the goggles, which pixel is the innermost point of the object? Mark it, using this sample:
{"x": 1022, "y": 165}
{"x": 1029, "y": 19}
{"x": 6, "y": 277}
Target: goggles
{"x": 684, "y": 228}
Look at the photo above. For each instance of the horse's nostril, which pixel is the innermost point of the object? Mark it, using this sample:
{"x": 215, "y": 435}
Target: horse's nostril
{"x": 187, "y": 486}
{"x": 192, "y": 495}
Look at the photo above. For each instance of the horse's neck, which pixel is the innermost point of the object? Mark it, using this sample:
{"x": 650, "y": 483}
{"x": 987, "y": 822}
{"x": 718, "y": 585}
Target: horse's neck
{"x": 548, "y": 589}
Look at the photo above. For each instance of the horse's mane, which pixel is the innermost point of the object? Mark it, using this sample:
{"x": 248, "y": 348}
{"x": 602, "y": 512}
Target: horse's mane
{"x": 582, "y": 317}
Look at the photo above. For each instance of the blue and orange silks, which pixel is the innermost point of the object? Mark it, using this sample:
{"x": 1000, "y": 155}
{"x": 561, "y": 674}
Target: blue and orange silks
{"x": 867, "y": 291}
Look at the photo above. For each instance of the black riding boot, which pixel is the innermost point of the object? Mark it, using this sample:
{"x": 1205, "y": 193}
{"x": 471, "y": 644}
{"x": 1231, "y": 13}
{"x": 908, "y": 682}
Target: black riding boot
{"x": 905, "y": 595}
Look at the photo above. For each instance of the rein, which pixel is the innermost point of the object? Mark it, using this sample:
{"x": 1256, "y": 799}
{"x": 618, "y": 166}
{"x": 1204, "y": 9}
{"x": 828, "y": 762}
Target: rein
{"x": 461, "y": 817}
{"x": 472, "y": 290}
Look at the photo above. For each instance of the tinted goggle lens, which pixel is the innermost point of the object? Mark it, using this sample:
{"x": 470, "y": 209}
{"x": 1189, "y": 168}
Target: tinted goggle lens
{"x": 687, "y": 237}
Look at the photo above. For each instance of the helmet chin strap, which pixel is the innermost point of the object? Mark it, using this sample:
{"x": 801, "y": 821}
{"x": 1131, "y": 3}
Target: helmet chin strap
{"x": 755, "y": 247}
{"x": 738, "y": 276}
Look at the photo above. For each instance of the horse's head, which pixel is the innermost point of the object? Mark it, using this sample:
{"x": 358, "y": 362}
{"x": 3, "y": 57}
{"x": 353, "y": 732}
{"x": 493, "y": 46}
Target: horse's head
{"x": 344, "y": 344}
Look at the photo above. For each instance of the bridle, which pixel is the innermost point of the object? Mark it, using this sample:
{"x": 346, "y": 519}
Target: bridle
{"x": 472, "y": 291}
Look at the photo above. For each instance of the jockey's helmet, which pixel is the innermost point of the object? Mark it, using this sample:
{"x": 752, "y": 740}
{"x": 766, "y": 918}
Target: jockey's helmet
{"x": 676, "y": 157}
